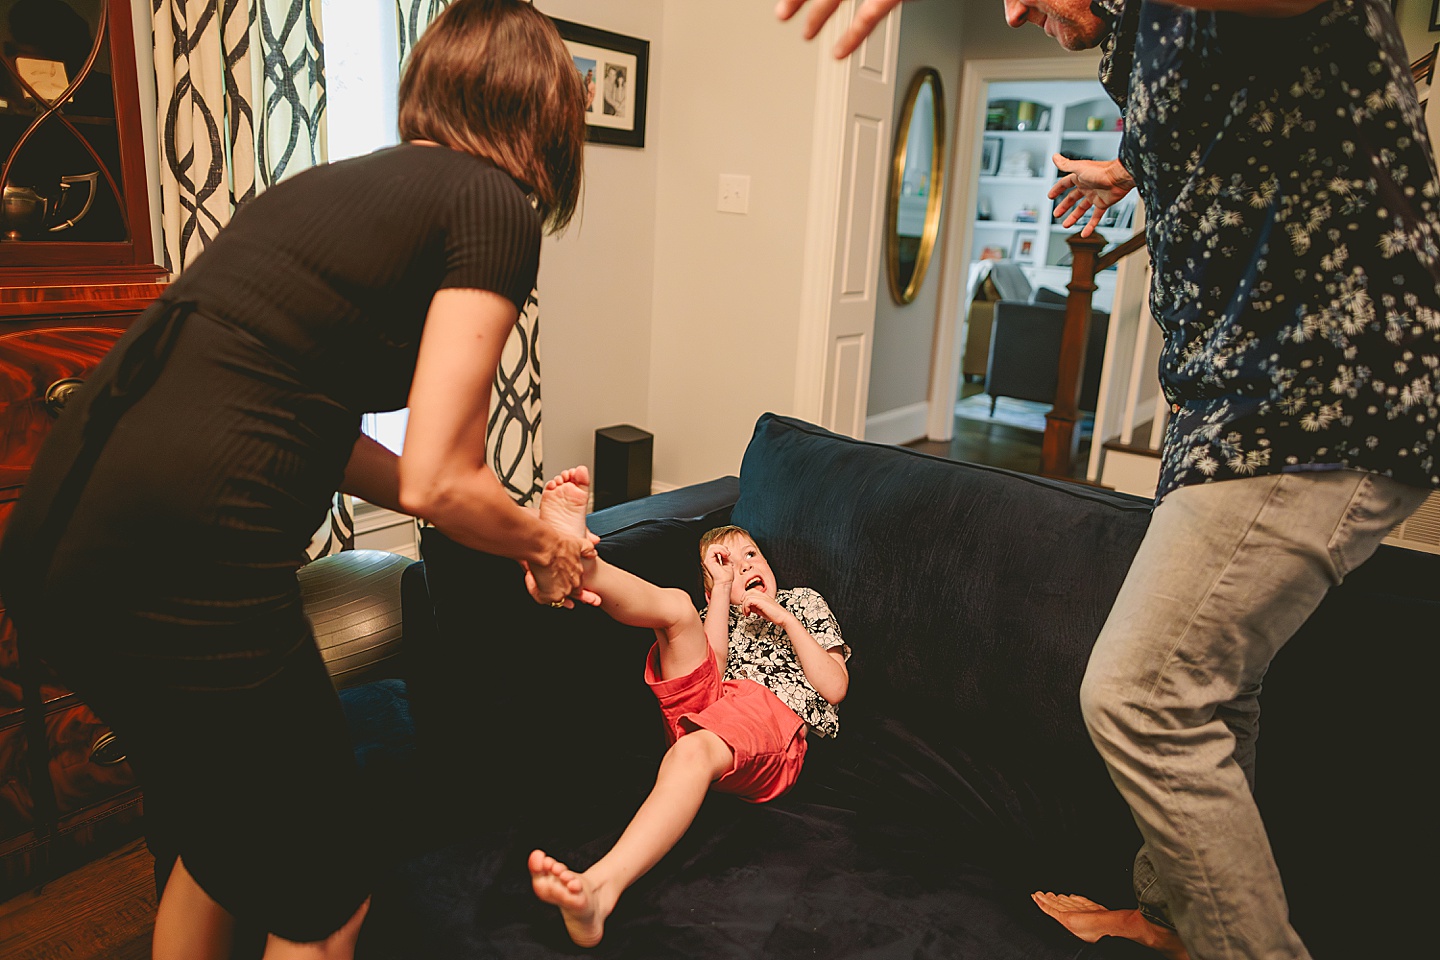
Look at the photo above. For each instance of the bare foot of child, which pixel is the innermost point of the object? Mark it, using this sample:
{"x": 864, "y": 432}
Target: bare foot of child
{"x": 1090, "y": 921}
{"x": 579, "y": 904}
{"x": 563, "y": 503}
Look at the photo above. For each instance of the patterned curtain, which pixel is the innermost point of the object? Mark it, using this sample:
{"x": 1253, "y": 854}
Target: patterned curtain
{"x": 512, "y": 439}
{"x": 207, "y": 135}
{"x": 412, "y": 17}
{"x": 291, "y": 87}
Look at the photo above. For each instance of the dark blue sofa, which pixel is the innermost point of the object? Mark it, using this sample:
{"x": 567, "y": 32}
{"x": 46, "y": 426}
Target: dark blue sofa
{"x": 962, "y": 779}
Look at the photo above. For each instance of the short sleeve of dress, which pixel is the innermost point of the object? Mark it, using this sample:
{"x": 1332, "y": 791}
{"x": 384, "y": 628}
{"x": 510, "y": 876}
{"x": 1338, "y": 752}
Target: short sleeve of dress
{"x": 814, "y": 614}
{"x": 492, "y": 237}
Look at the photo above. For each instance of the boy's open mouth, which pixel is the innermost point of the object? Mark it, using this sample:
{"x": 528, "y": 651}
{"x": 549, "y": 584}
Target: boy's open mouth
{"x": 754, "y": 582}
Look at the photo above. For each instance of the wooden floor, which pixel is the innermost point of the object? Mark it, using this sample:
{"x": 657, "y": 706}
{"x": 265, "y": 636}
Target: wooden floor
{"x": 105, "y": 910}
{"x": 995, "y": 444}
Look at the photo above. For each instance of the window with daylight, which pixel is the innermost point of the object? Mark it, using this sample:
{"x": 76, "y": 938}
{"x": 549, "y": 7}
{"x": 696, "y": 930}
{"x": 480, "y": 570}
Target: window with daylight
{"x": 362, "y": 78}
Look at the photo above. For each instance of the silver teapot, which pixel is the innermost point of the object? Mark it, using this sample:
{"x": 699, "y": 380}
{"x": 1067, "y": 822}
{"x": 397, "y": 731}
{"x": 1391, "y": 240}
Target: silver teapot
{"x": 27, "y": 211}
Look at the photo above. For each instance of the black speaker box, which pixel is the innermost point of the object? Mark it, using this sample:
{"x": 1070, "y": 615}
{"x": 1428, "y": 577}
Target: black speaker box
{"x": 622, "y": 464}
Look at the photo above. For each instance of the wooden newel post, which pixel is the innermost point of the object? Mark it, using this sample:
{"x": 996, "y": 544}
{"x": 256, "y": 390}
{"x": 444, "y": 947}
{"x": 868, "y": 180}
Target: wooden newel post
{"x": 1057, "y": 451}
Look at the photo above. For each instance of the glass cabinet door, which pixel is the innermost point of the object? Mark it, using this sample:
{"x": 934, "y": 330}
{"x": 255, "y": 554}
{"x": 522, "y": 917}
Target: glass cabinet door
{"x": 73, "y": 163}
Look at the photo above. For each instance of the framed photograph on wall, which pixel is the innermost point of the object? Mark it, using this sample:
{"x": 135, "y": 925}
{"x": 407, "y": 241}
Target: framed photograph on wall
{"x": 615, "y": 72}
{"x": 1024, "y": 246}
{"x": 990, "y": 154}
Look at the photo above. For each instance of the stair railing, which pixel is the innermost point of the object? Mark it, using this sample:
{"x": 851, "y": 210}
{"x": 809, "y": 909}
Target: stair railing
{"x": 1062, "y": 439}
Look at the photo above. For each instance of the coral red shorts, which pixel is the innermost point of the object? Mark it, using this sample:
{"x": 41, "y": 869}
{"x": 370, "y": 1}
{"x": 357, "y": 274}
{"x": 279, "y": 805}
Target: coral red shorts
{"x": 767, "y": 737}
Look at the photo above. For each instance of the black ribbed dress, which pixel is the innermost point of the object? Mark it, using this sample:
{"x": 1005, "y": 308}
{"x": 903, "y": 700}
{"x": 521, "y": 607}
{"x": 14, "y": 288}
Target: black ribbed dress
{"x": 151, "y": 558}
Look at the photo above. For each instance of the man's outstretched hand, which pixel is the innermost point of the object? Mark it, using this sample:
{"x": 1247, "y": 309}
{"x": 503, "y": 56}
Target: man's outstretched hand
{"x": 1089, "y": 186}
{"x": 867, "y": 15}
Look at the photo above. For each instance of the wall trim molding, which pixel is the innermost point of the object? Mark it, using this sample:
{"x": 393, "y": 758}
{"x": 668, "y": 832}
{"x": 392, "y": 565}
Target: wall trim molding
{"x": 898, "y": 426}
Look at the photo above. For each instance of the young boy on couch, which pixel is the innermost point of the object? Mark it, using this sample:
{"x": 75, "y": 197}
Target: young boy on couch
{"x": 738, "y": 692}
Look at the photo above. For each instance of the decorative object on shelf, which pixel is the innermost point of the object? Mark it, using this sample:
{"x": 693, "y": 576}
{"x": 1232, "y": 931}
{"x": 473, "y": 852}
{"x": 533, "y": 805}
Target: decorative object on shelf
{"x": 993, "y": 253}
{"x": 1044, "y": 122}
{"x": 27, "y": 212}
{"x": 615, "y": 71}
{"x": 46, "y": 79}
{"x": 1094, "y": 123}
{"x": 1027, "y": 215}
{"x": 990, "y": 149}
{"x": 982, "y": 208}
{"x": 917, "y": 179}
{"x": 1018, "y": 164}
{"x": 995, "y": 117}
{"x": 1024, "y": 246}
{"x": 1025, "y": 115}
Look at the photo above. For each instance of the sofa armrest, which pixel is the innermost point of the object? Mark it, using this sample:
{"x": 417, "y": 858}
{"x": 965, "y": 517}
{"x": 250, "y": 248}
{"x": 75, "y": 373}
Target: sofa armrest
{"x": 713, "y": 497}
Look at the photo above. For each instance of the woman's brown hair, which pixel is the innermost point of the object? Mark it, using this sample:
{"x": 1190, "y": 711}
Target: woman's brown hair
{"x": 494, "y": 79}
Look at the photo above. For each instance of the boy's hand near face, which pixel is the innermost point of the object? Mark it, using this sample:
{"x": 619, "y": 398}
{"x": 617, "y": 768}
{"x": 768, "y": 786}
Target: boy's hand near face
{"x": 764, "y": 605}
{"x": 717, "y": 628}
{"x": 721, "y": 570}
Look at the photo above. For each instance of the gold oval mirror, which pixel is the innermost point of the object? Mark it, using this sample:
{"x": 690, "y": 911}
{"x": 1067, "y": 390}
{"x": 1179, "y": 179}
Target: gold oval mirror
{"x": 917, "y": 183}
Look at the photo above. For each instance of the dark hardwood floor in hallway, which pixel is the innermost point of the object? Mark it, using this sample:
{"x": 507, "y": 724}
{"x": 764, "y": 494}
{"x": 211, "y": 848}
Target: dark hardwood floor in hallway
{"x": 995, "y": 444}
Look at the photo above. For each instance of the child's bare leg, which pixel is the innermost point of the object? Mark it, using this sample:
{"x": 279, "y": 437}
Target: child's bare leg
{"x": 1090, "y": 921}
{"x": 586, "y": 899}
{"x": 624, "y": 596}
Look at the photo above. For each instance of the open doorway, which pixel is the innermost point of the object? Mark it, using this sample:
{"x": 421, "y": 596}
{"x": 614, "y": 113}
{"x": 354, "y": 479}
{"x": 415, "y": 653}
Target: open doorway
{"x": 990, "y": 394}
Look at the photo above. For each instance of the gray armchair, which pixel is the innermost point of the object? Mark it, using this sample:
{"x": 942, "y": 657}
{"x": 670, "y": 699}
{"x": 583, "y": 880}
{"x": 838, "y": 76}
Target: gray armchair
{"x": 1024, "y": 361}
{"x": 995, "y": 280}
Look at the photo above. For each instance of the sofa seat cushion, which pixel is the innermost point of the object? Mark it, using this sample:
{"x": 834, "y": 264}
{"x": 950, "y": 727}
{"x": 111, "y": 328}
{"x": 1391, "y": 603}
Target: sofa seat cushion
{"x": 884, "y": 849}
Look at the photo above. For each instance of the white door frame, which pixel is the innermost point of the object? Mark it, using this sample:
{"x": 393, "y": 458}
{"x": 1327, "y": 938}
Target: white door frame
{"x": 851, "y": 146}
{"x": 976, "y": 77}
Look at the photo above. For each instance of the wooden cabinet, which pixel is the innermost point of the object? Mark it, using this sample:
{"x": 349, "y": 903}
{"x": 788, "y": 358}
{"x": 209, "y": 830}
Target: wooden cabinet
{"x": 76, "y": 267}
{"x": 65, "y": 788}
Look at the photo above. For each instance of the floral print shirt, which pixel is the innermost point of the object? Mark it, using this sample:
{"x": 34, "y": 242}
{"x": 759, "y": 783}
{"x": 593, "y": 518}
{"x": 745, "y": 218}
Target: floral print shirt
{"x": 761, "y": 651}
{"x": 1291, "y": 216}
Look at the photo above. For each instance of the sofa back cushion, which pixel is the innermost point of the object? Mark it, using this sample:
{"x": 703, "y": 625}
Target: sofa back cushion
{"x": 970, "y": 595}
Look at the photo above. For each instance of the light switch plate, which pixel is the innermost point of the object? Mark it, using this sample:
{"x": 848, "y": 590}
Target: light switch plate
{"x": 734, "y": 193}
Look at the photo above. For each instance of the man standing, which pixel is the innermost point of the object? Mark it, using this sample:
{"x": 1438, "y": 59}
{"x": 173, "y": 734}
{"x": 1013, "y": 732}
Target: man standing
{"x": 1291, "y": 200}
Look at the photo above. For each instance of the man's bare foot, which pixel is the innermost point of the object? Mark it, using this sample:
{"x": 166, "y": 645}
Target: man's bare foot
{"x": 579, "y": 903}
{"x": 563, "y": 503}
{"x": 1090, "y": 921}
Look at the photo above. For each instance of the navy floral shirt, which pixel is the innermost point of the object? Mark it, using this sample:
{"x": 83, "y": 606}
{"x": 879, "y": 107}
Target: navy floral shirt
{"x": 1291, "y": 216}
{"x": 761, "y": 651}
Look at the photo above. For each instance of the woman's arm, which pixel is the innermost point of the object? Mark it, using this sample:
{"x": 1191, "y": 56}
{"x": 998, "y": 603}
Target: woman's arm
{"x": 442, "y": 475}
{"x": 373, "y": 475}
